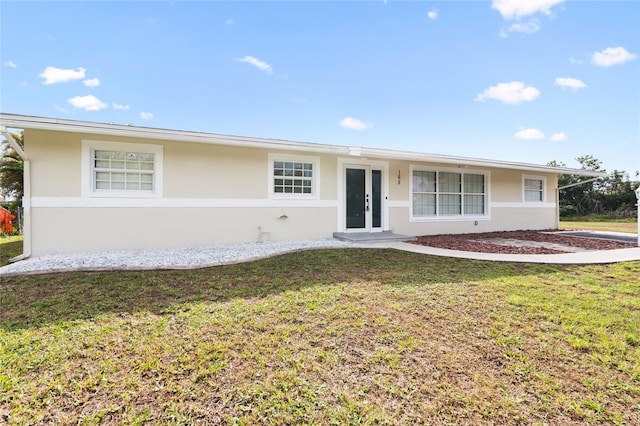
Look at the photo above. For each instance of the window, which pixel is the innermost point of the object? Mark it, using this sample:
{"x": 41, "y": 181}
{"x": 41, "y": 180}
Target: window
{"x": 450, "y": 193}
{"x": 115, "y": 169}
{"x": 293, "y": 176}
{"x": 533, "y": 189}
{"x": 447, "y": 194}
{"x": 122, "y": 170}
{"x": 424, "y": 193}
{"x": 474, "y": 197}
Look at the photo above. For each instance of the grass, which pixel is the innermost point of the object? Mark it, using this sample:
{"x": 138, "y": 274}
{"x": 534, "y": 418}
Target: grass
{"x": 351, "y": 336}
{"x": 10, "y": 246}
{"x": 599, "y": 223}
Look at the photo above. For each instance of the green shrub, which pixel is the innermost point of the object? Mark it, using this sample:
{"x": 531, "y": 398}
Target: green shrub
{"x": 568, "y": 211}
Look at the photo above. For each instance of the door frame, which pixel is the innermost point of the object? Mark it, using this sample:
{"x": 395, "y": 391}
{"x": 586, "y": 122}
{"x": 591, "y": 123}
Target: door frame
{"x": 343, "y": 164}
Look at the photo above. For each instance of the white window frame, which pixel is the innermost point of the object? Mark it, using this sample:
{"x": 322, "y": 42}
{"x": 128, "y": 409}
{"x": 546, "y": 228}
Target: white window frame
{"x": 88, "y": 189}
{"x": 288, "y": 158}
{"x": 543, "y": 190}
{"x": 457, "y": 217}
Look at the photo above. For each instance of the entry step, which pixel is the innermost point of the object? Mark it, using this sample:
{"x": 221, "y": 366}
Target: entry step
{"x": 372, "y": 237}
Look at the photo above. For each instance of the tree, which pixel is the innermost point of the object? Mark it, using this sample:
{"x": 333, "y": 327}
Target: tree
{"x": 12, "y": 171}
{"x": 612, "y": 195}
{"x": 617, "y": 194}
{"x": 578, "y": 199}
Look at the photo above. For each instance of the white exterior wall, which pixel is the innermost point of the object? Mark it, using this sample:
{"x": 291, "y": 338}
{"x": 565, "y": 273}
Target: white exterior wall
{"x": 506, "y": 208}
{"x": 102, "y": 229}
{"x": 210, "y": 195}
{"x": 502, "y": 219}
{"x": 217, "y": 194}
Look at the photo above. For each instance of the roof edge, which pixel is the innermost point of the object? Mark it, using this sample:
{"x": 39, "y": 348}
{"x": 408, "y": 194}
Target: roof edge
{"x": 76, "y": 126}
{"x": 479, "y": 162}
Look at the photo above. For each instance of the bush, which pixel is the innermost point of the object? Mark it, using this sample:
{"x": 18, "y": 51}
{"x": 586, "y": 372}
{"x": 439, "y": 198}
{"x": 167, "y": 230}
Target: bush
{"x": 568, "y": 211}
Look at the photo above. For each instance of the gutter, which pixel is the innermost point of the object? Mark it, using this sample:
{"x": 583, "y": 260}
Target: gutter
{"x": 560, "y": 188}
{"x": 26, "y": 198}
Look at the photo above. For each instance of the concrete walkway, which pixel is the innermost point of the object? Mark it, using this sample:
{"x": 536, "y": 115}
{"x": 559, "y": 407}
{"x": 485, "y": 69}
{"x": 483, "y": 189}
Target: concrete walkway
{"x": 573, "y": 255}
{"x": 576, "y": 255}
{"x": 585, "y": 257}
{"x": 188, "y": 258}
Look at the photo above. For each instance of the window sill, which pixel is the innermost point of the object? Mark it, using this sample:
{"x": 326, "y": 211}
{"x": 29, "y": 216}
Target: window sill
{"x": 293, "y": 197}
{"x": 142, "y": 195}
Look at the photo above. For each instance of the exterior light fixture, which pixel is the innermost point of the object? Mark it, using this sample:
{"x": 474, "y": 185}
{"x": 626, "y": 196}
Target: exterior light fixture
{"x": 399, "y": 178}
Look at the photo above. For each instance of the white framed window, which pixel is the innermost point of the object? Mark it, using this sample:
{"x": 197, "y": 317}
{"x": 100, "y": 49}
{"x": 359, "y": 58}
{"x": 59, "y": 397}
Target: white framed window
{"x": 116, "y": 169}
{"x": 443, "y": 193}
{"x": 533, "y": 189}
{"x": 293, "y": 176}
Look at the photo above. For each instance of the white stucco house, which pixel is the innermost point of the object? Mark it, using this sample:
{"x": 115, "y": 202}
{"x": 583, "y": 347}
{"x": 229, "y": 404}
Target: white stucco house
{"x": 97, "y": 187}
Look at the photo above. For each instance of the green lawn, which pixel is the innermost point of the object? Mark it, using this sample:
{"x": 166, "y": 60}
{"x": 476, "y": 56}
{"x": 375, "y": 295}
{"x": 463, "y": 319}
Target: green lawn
{"x": 597, "y": 223}
{"x": 351, "y": 336}
{"x": 9, "y": 247}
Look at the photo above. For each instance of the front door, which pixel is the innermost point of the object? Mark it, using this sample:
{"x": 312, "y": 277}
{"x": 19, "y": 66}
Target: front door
{"x": 363, "y": 199}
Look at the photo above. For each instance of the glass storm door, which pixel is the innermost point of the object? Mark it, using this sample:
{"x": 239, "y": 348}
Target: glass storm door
{"x": 363, "y": 199}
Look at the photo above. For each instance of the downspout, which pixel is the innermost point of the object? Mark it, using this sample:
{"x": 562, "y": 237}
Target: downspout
{"x": 26, "y": 198}
{"x": 558, "y": 189}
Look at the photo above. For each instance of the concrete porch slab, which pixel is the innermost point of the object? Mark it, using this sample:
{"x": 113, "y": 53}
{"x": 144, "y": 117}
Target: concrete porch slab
{"x": 372, "y": 237}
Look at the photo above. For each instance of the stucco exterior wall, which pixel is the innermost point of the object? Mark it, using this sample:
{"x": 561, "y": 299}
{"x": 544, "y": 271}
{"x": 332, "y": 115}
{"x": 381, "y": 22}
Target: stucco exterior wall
{"x": 70, "y": 230}
{"x": 212, "y": 194}
{"x": 191, "y": 170}
{"x": 502, "y": 219}
{"x": 194, "y": 170}
{"x": 55, "y": 163}
{"x": 217, "y": 194}
{"x": 507, "y": 210}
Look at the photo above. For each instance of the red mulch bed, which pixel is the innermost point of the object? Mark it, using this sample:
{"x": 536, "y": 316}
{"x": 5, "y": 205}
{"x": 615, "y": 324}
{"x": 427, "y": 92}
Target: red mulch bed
{"x": 467, "y": 242}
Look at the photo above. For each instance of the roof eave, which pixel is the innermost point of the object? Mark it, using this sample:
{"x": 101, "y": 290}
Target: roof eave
{"x": 58, "y": 125}
{"x": 61, "y": 125}
{"x": 476, "y": 162}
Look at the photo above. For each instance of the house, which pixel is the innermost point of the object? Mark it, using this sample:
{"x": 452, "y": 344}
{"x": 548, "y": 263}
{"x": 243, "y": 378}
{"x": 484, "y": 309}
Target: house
{"x": 97, "y": 187}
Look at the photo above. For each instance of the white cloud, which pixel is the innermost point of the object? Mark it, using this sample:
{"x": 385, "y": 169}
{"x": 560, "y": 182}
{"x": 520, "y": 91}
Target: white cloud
{"x": 571, "y": 83}
{"x": 529, "y": 134}
{"x": 516, "y": 9}
{"x": 146, "y": 115}
{"x": 525, "y": 27}
{"x": 230, "y": 22}
{"x": 432, "y": 14}
{"x": 54, "y": 75}
{"x": 119, "y": 106}
{"x": 10, "y": 64}
{"x": 257, "y": 63}
{"x": 354, "y": 124}
{"x": 514, "y": 92}
{"x": 612, "y": 56}
{"x": 92, "y": 82}
{"x": 87, "y": 103}
{"x": 559, "y": 137}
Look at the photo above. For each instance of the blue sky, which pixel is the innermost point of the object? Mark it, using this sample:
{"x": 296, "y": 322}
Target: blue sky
{"x": 520, "y": 80}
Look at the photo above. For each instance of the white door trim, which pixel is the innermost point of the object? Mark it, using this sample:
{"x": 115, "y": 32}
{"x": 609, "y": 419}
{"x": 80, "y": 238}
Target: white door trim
{"x": 343, "y": 164}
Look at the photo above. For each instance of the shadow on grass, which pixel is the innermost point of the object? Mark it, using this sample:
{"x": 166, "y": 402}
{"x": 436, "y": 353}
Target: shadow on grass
{"x": 35, "y": 300}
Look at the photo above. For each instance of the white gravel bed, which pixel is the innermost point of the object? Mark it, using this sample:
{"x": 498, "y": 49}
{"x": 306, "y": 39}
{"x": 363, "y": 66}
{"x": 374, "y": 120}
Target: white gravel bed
{"x": 181, "y": 258}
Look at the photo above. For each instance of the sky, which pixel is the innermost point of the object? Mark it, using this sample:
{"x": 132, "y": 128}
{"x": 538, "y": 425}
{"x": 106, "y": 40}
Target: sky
{"x": 517, "y": 80}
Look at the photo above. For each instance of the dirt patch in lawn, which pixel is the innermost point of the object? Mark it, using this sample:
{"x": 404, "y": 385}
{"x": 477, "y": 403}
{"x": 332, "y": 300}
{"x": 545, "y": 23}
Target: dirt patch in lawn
{"x": 520, "y": 242}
